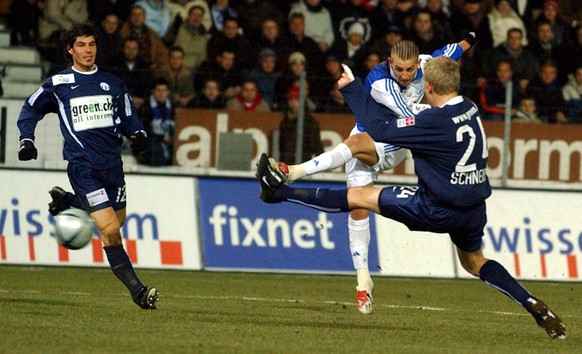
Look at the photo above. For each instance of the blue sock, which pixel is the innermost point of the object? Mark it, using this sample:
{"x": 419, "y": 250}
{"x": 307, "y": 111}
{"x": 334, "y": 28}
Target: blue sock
{"x": 123, "y": 269}
{"x": 497, "y": 276}
{"x": 328, "y": 200}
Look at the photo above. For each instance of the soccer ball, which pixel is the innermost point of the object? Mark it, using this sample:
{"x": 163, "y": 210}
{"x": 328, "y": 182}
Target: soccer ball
{"x": 74, "y": 228}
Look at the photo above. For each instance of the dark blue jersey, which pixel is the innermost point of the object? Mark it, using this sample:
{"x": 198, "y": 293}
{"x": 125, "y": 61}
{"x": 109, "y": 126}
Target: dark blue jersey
{"x": 448, "y": 145}
{"x": 94, "y": 108}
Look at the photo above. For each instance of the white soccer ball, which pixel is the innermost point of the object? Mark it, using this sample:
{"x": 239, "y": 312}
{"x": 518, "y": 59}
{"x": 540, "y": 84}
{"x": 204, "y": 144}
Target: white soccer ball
{"x": 74, "y": 228}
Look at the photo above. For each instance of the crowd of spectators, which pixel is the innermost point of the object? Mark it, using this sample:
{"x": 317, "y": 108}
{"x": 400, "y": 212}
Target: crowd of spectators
{"x": 251, "y": 54}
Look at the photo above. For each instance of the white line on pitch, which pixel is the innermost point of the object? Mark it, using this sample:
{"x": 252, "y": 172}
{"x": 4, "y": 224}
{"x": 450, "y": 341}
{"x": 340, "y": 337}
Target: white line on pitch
{"x": 264, "y": 299}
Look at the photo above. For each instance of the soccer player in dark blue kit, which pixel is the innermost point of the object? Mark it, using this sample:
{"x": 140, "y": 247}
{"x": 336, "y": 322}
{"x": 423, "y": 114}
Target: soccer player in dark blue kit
{"x": 449, "y": 147}
{"x": 94, "y": 109}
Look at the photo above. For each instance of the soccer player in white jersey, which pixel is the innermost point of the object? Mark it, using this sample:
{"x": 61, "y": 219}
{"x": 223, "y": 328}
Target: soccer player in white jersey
{"x": 449, "y": 146}
{"x": 398, "y": 84}
{"x": 94, "y": 108}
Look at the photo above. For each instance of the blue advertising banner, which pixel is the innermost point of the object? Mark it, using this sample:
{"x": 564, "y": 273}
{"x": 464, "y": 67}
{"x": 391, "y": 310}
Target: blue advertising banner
{"x": 241, "y": 232}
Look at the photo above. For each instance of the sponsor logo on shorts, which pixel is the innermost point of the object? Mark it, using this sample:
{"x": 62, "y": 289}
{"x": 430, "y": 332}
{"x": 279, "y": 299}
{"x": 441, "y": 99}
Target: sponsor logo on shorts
{"x": 97, "y": 197}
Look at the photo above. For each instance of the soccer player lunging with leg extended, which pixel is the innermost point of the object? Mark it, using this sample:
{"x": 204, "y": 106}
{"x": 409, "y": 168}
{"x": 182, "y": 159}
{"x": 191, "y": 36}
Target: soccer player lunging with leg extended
{"x": 94, "y": 107}
{"x": 449, "y": 147}
{"x": 398, "y": 84}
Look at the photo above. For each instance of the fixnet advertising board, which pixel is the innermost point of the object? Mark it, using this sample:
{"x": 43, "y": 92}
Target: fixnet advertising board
{"x": 241, "y": 232}
{"x": 161, "y": 229}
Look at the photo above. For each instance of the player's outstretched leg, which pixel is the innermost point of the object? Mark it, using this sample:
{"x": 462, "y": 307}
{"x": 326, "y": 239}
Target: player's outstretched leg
{"x": 273, "y": 190}
{"x": 329, "y": 160}
{"x": 494, "y": 274}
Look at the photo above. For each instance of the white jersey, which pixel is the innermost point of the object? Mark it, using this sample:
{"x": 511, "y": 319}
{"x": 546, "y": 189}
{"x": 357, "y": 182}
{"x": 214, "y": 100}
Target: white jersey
{"x": 383, "y": 86}
{"x": 404, "y": 101}
{"x": 400, "y": 99}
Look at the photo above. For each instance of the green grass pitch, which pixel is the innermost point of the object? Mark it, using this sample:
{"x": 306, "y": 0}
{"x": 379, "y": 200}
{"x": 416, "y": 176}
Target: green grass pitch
{"x": 87, "y": 310}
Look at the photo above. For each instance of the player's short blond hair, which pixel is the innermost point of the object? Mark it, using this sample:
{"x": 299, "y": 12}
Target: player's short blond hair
{"x": 405, "y": 50}
{"x": 443, "y": 74}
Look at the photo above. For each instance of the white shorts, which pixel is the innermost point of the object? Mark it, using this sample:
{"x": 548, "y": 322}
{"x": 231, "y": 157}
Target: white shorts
{"x": 360, "y": 174}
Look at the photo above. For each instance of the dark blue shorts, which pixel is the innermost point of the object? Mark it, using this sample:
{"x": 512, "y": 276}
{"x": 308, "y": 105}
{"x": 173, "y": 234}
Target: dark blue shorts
{"x": 464, "y": 225}
{"x": 98, "y": 189}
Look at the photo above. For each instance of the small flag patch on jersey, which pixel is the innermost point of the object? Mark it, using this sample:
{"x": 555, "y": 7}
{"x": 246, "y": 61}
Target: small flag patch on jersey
{"x": 405, "y": 122}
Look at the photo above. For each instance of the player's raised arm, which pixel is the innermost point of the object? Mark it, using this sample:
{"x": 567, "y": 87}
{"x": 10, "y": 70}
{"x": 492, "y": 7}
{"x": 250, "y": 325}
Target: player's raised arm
{"x": 346, "y": 78}
{"x": 455, "y": 50}
{"x": 467, "y": 42}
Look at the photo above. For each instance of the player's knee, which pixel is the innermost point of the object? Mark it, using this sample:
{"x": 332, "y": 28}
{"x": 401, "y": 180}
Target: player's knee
{"x": 360, "y": 143}
{"x": 471, "y": 269}
{"x": 473, "y": 265}
{"x": 111, "y": 234}
{"x": 471, "y": 261}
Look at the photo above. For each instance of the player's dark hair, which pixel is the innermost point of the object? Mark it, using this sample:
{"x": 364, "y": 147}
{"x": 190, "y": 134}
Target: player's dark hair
{"x": 405, "y": 50}
{"x": 87, "y": 29}
{"x": 69, "y": 37}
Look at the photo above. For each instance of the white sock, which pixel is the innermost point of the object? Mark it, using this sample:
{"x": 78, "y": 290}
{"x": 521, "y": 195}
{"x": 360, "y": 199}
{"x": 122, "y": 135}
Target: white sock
{"x": 364, "y": 280}
{"x": 359, "y": 234}
{"x": 337, "y": 157}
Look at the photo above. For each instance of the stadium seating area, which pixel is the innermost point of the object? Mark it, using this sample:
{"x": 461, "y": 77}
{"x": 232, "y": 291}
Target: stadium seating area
{"x": 20, "y": 67}
{"x": 228, "y": 41}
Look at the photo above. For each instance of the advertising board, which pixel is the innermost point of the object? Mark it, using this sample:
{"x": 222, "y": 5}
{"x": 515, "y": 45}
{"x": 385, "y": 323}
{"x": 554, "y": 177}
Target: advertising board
{"x": 240, "y": 232}
{"x": 161, "y": 229}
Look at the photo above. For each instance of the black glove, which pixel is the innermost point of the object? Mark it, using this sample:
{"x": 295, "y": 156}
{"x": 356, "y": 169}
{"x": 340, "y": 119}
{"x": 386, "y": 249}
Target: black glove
{"x": 27, "y": 151}
{"x": 470, "y": 37}
{"x": 139, "y": 142}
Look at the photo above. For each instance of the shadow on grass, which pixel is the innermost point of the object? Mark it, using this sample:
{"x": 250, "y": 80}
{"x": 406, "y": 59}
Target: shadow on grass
{"x": 47, "y": 302}
{"x": 280, "y": 320}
